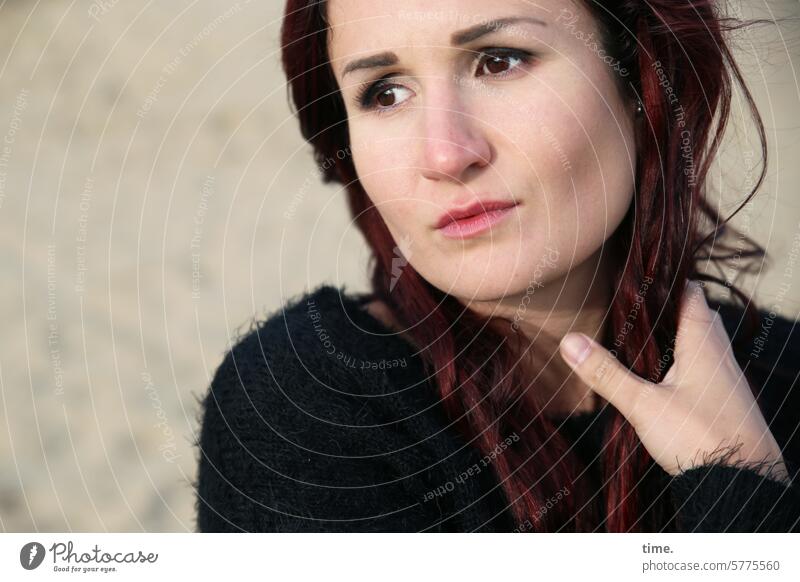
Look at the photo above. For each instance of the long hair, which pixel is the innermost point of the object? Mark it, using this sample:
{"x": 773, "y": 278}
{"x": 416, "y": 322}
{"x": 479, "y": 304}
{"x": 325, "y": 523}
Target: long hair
{"x": 669, "y": 229}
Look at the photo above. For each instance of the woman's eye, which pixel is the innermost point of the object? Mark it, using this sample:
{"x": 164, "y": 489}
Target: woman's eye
{"x": 499, "y": 62}
{"x": 381, "y": 96}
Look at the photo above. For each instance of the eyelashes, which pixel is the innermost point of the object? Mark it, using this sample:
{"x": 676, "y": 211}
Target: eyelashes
{"x": 365, "y": 97}
{"x": 367, "y": 93}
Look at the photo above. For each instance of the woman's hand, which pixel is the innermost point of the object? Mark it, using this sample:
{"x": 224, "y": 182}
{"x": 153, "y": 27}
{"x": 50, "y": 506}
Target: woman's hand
{"x": 703, "y": 404}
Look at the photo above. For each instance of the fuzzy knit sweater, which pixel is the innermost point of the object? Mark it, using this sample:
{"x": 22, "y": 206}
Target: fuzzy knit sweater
{"x": 320, "y": 419}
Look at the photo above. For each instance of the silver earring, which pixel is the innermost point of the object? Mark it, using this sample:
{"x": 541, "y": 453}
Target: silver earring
{"x": 639, "y": 108}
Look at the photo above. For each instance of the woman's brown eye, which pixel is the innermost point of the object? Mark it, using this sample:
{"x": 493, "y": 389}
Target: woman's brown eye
{"x": 384, "y": 96}
{"x": 500, "y": 63}
{"x": 495, "y": 64}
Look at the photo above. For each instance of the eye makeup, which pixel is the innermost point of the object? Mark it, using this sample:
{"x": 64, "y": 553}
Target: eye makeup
{"x": 367, "y": 93}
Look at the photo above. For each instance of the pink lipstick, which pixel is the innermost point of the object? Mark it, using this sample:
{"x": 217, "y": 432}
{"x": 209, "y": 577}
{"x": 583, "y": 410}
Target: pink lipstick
{"x": 474, "y": 219}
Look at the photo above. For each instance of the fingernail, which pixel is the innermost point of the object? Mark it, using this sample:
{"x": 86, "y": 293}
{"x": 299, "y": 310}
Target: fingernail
{"x": 576, "y": 348}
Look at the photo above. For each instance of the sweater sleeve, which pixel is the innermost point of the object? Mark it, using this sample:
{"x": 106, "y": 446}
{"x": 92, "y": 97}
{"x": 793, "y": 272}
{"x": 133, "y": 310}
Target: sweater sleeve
{"x": 718, "y": 497}
{"x": 273, "y": 460}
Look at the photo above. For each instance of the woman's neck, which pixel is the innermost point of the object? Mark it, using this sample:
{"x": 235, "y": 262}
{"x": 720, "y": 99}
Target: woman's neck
{"x": 578, "y": 302}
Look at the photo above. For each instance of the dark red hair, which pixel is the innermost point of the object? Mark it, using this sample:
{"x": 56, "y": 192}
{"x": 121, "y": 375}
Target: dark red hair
{"x": 669, "y": 230}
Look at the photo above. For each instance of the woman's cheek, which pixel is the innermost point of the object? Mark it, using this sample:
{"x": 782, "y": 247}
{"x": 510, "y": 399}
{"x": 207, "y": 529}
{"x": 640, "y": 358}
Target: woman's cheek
{"x": 389, "y": 195}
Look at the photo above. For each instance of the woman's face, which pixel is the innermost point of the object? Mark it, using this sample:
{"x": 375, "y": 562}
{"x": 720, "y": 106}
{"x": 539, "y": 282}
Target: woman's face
{"x": 529, "y": 112}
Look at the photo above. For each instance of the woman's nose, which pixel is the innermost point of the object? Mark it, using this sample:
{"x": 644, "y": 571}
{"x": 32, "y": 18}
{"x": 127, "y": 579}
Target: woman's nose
{"x": 453, "y": 140}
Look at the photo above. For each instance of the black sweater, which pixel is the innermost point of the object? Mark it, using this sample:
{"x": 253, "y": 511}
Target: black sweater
{"x": 320, "y": 419}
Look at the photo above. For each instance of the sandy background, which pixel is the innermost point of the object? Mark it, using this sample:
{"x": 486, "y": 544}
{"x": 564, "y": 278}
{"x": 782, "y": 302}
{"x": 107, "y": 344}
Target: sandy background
{"x": 155, "y": 194}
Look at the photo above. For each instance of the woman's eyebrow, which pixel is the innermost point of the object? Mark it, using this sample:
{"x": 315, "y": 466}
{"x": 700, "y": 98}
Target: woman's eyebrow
{"x": 461, "y": 37}
{"x": 464, "y": 36}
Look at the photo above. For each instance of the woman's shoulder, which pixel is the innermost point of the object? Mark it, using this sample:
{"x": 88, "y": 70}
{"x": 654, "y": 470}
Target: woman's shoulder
{"x": 294, "y": 437}
{"x": 321, "y": 344}
{"x": 318, "y": 367}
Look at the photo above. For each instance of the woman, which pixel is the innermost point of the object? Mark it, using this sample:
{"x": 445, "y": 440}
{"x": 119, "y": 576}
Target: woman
{"x": 531, "y": 180}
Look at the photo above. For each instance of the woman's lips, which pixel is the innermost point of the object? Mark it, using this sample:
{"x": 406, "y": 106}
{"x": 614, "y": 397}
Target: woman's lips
{"x": 474, "y": 225}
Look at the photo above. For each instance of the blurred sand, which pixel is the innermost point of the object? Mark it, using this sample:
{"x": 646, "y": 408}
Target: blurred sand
{"x": 151, "y": 145}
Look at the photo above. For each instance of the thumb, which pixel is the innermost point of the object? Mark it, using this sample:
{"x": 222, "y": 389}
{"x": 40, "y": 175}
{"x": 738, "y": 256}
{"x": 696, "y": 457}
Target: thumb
{"x": 598, "y": 368}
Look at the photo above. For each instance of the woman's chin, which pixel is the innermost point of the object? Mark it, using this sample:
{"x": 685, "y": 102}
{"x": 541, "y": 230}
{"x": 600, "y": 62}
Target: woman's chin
{"x": 480, "y": 287}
